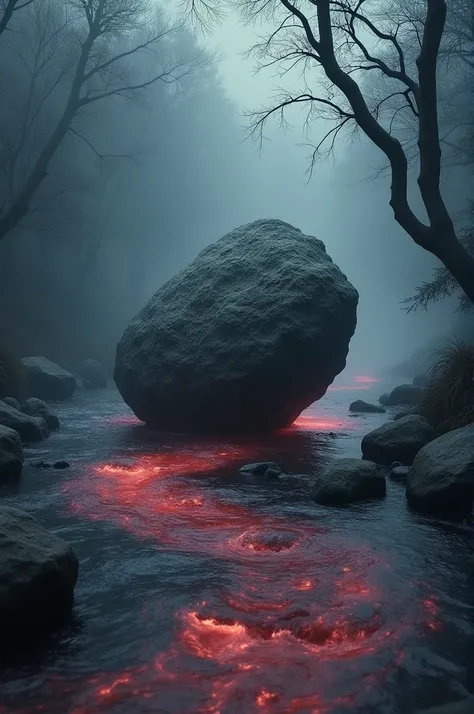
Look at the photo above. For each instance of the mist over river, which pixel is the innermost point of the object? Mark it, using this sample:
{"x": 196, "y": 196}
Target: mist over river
{"x": 202, "y": 591}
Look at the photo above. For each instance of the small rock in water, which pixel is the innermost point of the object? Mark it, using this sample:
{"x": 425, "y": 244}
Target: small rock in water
{"x": 61, "y": 465}
{"x": 399, "y": 473}
{"x": 268, "y": 469}
{"x": 43, "y": 465}
{"x": 361, "y": 407}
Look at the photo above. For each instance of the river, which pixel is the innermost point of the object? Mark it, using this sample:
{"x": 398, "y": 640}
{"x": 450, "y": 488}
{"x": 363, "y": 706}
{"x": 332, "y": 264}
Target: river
{"x": 202, "y": 592}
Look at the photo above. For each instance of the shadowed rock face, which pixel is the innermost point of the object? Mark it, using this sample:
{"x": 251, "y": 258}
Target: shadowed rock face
{"x": 252, "y": 332}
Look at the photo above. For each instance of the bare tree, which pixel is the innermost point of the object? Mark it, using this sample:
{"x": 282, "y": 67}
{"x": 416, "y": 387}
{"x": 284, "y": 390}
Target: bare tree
{"x": 335, "y": 43}
{"x": 8, "y": 8}
{"x": 108, "y": 34}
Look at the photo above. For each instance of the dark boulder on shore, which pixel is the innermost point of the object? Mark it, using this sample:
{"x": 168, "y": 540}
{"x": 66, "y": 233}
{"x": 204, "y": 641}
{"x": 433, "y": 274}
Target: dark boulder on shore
{"x": 441, "y": 480}
{"x": 37, "y": 408}
{"x": 404, "y": 395}
{"x": 29, "y": 428}
{"x": 11, "y": 452}
{"x": 348, "y": 481}
{"x": 92, "y": 374}
{"x": 397, "y": 440}
{"x": 38, "y": 574}
{"x": 361, "y": 407}
{"x": 252, "y": 332}
{"x": 47, "y": 380}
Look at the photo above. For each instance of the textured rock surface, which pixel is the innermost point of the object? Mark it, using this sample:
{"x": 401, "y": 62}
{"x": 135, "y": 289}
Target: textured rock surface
{"x": 361, "y": 407}
{"x": 404, "y": 395}
{"x": 12, "y": 402}
{"x": 397, "y": 440}
{"x": 92, "y": 373}
{"x": 441, "y": 480}
{"x": 38, "y": 573}
{"x": 28, "y": 427}
{"x": 249, "y": 334}
{"x": 38, "y": 408}
{"x": 11, "y": 452}
{"x": 464, "y": 706}
{"x": 348, "y": 481}
{"x": 47, "y": 380}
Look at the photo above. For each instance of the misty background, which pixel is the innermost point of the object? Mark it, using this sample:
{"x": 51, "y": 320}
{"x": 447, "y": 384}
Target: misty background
{"x": 143, "y": 184}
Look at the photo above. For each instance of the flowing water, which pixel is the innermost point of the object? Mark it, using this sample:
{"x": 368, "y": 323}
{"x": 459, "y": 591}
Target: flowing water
{"x": 202, "y": 591}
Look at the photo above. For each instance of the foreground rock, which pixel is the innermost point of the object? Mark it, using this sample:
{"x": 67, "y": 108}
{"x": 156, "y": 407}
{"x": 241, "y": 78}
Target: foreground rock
{"x": 252, "y": 332}
{"x": 404, "y": 395}
{"x": 348, "y": 481}
{"x": 38, "y": 408}
{"x": 92, "y": 373}
{"x": 464, "y": 706}
{"x": 441, "y": 480}
{"x": 12, "y": 402}
{"x": 361, "y": 407}
{"x": 397, "y": 440}
{"x": 11, "y": 452}
{"x": 47, "y": 380}
{"x": 38, "y": 573}
{"x": 28, "y": 427}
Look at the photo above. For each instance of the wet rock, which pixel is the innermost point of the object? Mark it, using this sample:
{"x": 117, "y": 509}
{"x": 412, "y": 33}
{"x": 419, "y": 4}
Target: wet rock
{"x": 361, "y": 407}
{"x": 383, "y": 399}
{"x": 464, "y": 706}
{"x": 397, "y": 440}
{"x": 421, "y": 380}
{"x": 347, "y": 481}
{"x": 441, "y": 480}
{"x": 92, "y": 373}
{"x": 43, "y": 465}
{"x": 404, "y": 413}
{"x": 38, "y": 574}
{"x": 404, "y": 395}
{"x": 252, "y": 332}
{"x": 12, "y": 402}
{"x": 11, "y": 452}
{"x": 399, "y": 473}
{"x": 36, "y": 407}
{"x": 29, "y": 428}
{"x": 260, "y": 468}
{"x": 47, "y": 380}
{"x": 61, "y": 465}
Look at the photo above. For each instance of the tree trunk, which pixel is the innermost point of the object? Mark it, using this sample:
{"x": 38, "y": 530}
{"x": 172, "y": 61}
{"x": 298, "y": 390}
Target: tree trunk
{"x": 457, "y": 260}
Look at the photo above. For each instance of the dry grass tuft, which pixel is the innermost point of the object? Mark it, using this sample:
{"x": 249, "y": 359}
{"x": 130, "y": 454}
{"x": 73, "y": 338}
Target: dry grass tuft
{"x": 448, "y": 401}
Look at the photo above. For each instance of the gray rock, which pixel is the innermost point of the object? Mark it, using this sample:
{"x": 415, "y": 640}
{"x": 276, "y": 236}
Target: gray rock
{"x": 441, "y": 480}
{"x": 47, "y": 380}
{"x": 383, "y": 399}
{"x": 397, "y": 440}
{"x": 38, "y": 408}
{"x": 92, "y": 373}
{"x": 253, "y": 331}
{"x": 404, "y": 395}
{"x": 361, "y": 407}
{"x": 11, "y": 452}
{"x": 12, "y": 402}
{"x": 38, "y": 573}
{"x": 404, "y": 413}
{"x": 29, "y": 428}
{"x": 348, "y": 481}
{"x": 399, "y": 473}
{"x": 464, "y": 706}
{"x": 262, "y": 471}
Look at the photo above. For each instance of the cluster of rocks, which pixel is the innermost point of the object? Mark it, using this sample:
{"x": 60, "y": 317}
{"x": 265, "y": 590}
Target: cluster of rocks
{"x": 46, "y": 380}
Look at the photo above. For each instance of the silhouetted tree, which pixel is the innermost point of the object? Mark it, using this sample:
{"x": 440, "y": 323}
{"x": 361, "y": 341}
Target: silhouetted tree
{"x": 8, "y": 8}
{"x": 347, "y": 39}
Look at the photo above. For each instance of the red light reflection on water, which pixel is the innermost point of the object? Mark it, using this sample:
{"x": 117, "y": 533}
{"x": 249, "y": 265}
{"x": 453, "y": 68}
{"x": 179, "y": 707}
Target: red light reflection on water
{"x": 359, "y": 383}
{"x": 310, "y": 422}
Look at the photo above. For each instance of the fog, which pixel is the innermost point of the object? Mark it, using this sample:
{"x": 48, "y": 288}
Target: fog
{"x": 144, "y": 182}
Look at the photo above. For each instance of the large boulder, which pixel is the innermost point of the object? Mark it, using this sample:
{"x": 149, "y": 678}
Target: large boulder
{"x": 397, "y": 440}
{"x": 361, "y": 407}
{"x": 38, "y": 573}
{"x": 92, "y": 373}
{"x": 441, "y": 480}
{"x": 12, "y": 402}
{"x": 348, "y": 481}
{"x": 253, "y": 331}
{"x": 29, "y": 428}
{"x": 38, "y": 408}
{"x": 11, "y": 452}
{"x": 47, "y": 380}
{"x": 404, "y": 395}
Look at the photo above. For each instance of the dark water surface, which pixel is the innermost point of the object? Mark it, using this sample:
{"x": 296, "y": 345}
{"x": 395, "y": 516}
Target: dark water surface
{"x": 202, "y": 592}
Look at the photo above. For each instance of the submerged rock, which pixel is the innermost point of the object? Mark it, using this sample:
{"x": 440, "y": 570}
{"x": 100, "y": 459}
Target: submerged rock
{"x": 29, "y": 428}
{"x": 47, "y": 380}
{"x": 348, "y": 481}
{"x": 92, "y": 373}
{"x": 61, "y": 465}
{"x": 36, "y": 407}
{"x": 38, "y": 573}
{"x": 404, "y": 395}
{"x": 262, "y": 470}
{"x": 397, "y": 440}
{"x": 441, "y": 480}
{"x": 361, "y": 407}
{"x": 252, "y": 332}
{"x": 11, "y": 453}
